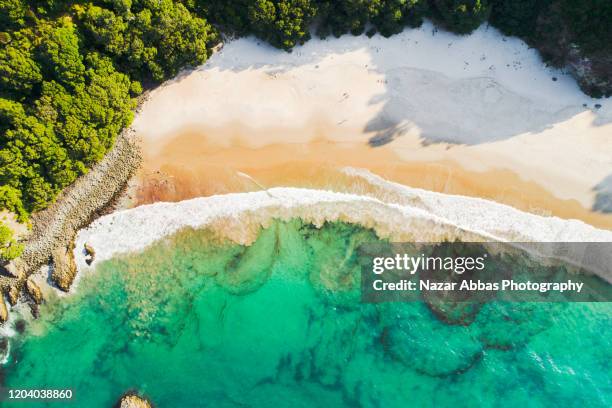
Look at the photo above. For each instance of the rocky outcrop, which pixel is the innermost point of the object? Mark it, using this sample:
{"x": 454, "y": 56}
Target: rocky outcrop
{"x": 557, "y": 43}
{"x": 64, "y": 268}
{"x": 90, "y": 253}
{"x": 133, "y": 401}
{"x": 34, "y": 292}
{"x": 76, "y": 207}
{"x": 13, "y": 295}
{"x": 3, "y": 310}
{"x": 593, "y": 73}
{"x": 20, "y": 326}
{"x": 12, "y": 269}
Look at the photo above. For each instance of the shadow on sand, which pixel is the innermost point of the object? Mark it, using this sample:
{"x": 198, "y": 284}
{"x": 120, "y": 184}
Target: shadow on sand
{"x": 603, "y": 196}
{"x": 466, "y": 109}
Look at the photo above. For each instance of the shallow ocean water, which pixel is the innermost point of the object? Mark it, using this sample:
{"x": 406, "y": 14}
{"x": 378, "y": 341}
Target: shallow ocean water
{"x": 197, "y": 321}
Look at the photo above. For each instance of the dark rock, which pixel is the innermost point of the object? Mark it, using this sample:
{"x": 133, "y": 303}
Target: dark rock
{"x": 12, "y": 269}
{"x": 20, "y": 326}
{"x": 4, "y": 346}
{"x": 90, "y": 252}
{"x": 592, "y": 72}
{"x": 35, "y": 310}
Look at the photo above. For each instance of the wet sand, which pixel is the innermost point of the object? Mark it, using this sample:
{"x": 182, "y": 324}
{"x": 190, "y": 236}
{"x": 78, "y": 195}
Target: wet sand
{"x": 191, "y": 165}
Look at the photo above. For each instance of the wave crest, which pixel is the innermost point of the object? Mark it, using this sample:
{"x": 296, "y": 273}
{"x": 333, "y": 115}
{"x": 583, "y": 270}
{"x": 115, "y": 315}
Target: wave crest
{"x": 393, "y": 211}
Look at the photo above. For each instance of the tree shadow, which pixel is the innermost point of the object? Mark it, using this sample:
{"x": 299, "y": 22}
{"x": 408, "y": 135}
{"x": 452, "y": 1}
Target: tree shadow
{"x": 460, "y": 111}
{"x": 468, "y": 107}
{"x": 603, "y": 196}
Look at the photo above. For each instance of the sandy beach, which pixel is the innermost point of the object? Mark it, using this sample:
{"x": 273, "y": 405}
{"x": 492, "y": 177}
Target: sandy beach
{"x": 207, "y": 205}
{"x": 478, "y": 115}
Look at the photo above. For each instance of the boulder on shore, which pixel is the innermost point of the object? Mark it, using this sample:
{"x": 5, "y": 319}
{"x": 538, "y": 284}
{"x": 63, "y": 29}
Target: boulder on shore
{"x": 12, "y": 269}
{"x": 13, "y": 295}
{"x": 34, "y": 291}
{"x": 4, "y": 315}
{"x": 90, "y": 253}
{"x": 64, "y": 268}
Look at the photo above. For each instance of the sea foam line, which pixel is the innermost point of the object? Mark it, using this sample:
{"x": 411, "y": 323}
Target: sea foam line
{"x": 432, "y": 217}
{"x": 478, "y": 214}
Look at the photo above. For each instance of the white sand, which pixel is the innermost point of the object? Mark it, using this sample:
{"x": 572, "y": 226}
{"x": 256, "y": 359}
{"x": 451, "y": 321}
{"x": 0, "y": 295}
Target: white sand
{"x": 490, "y": 94}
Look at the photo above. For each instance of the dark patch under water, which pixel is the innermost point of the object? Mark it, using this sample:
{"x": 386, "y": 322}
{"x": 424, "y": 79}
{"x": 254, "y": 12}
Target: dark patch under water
{"x": 197, "y": 321}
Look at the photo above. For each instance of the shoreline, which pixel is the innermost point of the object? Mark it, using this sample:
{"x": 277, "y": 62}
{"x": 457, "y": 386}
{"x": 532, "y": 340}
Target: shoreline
{"x": 54, "y": 228}
{"x": 430, "y": 217}
{"x": 191, "y": 165}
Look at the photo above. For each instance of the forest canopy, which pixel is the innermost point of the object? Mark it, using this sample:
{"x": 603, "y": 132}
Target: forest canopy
{"x": 70, "y": 69}
{"x": 69, "y": 73}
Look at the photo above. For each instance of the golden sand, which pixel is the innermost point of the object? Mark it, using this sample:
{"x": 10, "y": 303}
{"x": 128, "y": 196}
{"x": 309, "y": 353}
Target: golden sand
{"x": 190, "y": 165}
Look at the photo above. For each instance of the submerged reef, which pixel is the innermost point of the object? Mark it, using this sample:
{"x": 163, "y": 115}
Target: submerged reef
{"x": 198, "y": 317}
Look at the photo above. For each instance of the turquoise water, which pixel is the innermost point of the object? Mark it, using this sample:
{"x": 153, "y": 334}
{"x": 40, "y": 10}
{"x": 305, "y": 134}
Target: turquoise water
{"x": 197, "y": 321}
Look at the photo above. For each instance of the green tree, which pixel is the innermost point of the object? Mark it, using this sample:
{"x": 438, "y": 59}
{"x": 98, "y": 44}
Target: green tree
{"x": 181, "y": 39}
{"x": 283, "y": 23}
{"x": 19, "y": 74}
{"x": 517, "y": 17}
{"x": 149, "y": 39}
{"x": 88, "y": 118}
{"x": 12, "y": 13}
{"x": 461, "y": 16}
{"x": 59, "y": 53}
{"x": 22, "y": 163}
{"x": 104, "y": 28}
{"x": 11, "y": 114}
{"x": 590, "y": 22}
{"x": 10, "y": 199}
{"x": 9, "y": 247}
{"x": 394, "y": 15}
{"x": 37, "y": 192}
{"x": 231, "y": 17}
{"x": 345, "y": 16}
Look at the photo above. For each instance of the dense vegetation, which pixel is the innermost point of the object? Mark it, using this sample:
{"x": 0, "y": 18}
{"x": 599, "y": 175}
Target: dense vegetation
{"x": 68, "y": 75}
{"x": 70, "y": 69}
{"x": 9, "y": 247}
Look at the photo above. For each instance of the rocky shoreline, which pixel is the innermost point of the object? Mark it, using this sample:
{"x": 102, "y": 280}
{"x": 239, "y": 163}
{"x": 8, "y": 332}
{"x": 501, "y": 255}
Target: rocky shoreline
{"x": 54, "y": 228}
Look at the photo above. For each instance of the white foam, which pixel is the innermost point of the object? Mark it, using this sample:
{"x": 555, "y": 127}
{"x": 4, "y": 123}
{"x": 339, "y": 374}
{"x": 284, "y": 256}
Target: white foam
{"x": 497, "y": 219}
{"x": 438, "y": 217}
